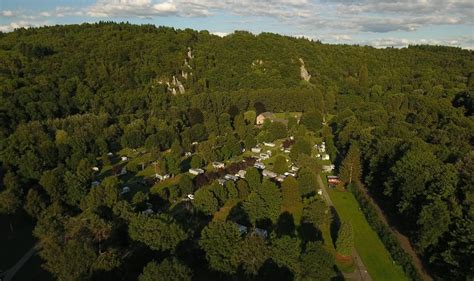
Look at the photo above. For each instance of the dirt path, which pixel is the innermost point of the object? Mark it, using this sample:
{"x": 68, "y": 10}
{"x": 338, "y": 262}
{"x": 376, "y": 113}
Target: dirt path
{"x": 14, "y": 269}
{"x": 402, "y": 239}
{"x": 361, "y": 273}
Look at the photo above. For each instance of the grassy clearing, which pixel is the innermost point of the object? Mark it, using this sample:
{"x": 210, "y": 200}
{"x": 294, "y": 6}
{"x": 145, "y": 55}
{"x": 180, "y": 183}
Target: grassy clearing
{"x": 291, "y": 203}
{"x": 286, "y": 115}
{"x": 373, "y": 253}
{"x": 166, "y": 183}
{"x": 224, "y": 211}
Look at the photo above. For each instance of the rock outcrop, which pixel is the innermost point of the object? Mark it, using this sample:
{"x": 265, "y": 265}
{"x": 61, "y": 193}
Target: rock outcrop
{"x": 304, "y": 72}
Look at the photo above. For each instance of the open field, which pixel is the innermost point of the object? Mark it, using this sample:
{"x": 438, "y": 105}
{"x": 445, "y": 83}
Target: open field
{"x": 373, "y": 253}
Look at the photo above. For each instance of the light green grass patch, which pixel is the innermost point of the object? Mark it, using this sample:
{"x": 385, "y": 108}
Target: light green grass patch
{"x": 224, "y": 211}
{"x": 372, "y": 251}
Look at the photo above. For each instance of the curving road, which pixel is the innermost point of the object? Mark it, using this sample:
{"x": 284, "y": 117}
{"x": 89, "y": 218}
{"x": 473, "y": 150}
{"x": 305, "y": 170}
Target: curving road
{"x": 14, "y": 269}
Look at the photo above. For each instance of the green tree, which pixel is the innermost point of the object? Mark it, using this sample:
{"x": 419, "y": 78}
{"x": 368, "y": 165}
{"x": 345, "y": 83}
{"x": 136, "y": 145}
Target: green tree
{"x": 313, "y": 120}
{"x": 316, "y": 263}
{"x": 196, "y": 161}
{"x": 351, "y": 166}
{"x": 252, "y": 254}
{"x": 434, "y": 221}
{"x": 186, "y": 185}
{"x": 265, "y": 203}
{"x": 316, "y": 213}
{"x": 301, "y": 146}
{"x": 345, "y": 240}
{"x": 280, "y": 166}
{"x": 220, "y": 241}
{"x": 35, "y": 203}
{"x": 168, "y": 269}
{"x": 205, "y": 201}
{"x": 285, "y": 251}
{"x": 307, "y": 182}
{"x": 253, "y": 178}
{"x": 159, "y": 232}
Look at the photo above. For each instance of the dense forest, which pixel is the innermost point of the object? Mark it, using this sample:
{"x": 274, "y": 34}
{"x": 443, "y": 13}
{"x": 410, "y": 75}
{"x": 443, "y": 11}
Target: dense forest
{"x": 72, "y": 97}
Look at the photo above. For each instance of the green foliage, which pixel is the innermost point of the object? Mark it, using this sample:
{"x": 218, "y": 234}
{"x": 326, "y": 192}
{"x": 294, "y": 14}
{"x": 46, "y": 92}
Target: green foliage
{"x": 345, "y": 239}
{"x": 312, "y": 120}
{"x": 70, "y": 94}
{"x": 205, "y": 201}
{"x": 307, "y": 182}
{"x": 186, "y": 185}
{"x": 316, "y": 213}
{"x": 351, "y": 166}
{"x": 253, "y": 178}
{"x": 220, "y": 241}
{"x": 280, "y": 166}
{"x": 168, "y": 269}
{"x": 285, "y": 252}
{"x": 301, "y": 146}
{"x": 264, "y": 203}
{"x": 276, "y": 130}
{"x": 316, "y": 263}
{"x": 159, "y": 232}
{"x": 252, "y": 254}
{"x": 196, "y": 161}
{"x": 291, "y": 199}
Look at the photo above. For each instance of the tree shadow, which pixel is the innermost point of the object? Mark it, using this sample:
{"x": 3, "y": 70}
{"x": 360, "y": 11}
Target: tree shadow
{"x": 309, "y": 233}
{"x": 335, "y": 224}
{"x": 285, "y": 225}
{"x": 237, "y": 214}
{"x": 271, "y": 271}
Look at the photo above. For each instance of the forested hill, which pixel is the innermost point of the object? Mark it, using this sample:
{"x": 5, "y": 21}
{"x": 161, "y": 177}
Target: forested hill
{"x": 56, "y": 71}
{"x": 71, "y": 96}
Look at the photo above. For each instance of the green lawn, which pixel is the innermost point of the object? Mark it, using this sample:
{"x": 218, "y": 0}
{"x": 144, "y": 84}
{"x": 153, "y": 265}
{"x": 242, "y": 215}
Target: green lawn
{"x": 286, "y": 115}
{"x": 373, "y": 253}
{"x": 224, "y": 211}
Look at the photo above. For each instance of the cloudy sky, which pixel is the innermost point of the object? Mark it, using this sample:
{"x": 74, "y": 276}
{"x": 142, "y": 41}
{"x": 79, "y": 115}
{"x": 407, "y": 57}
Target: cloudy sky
{"x": 378, "y": 23}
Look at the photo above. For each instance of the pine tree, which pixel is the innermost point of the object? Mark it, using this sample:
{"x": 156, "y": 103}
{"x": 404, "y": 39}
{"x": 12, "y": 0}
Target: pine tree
{"x": 351, "y": 166}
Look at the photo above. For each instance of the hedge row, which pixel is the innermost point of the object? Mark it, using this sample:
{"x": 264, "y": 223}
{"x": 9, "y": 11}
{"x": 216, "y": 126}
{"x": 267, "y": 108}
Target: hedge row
{"x": 386, "y": 235}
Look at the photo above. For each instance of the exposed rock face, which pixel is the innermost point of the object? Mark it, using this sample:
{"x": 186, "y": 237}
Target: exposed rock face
{"x": 303, "y": 72}
{"x": 190, "y": 53}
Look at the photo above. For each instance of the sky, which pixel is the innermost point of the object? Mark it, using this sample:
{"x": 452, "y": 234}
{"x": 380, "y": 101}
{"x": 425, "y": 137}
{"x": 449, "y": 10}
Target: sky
{"x": 384, "y": 23}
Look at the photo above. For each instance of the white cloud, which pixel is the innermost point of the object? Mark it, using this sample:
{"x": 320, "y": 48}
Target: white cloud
{"x": 220, "y": 34}
{"x": 6, "y": 13}
{"x": 14, "y": 25}
{"x": 130, "y": 8}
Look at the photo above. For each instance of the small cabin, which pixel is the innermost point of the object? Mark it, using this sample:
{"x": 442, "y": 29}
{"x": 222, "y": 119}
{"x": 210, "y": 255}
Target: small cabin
{"x": 269, "y": 174}
{"x": 196, "y": 171}
{"x": 218, "y": 165}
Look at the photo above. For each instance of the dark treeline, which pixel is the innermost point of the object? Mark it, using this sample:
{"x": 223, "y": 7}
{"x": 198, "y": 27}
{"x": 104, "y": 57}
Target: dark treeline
{"x": 69, "y": 95}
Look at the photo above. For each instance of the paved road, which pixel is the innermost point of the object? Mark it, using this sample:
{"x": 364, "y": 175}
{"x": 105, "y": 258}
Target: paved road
{"x": 14, "y": 269}
{"x": 361, "y": 273}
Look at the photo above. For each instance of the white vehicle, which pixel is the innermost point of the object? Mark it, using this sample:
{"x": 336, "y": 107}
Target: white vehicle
{"x": 264, "y": 156}
{"x": 230, "y": 177}
{"x": 259, "y": 165}
{"x": 256, "y": 149}
{"x": 289, "y": 174}
{"x": 218, "y": 165}
{"x": 196, "y": 171}
{"x": 124, "y": 158}
{"x": 95, "y": 169}
{"x": 241, "y": 174}
{"x": 125, "y": 189}
{"x": 269, "y": 144}
{"x": 191, "y": 196}
{"x": 268, "y": 173}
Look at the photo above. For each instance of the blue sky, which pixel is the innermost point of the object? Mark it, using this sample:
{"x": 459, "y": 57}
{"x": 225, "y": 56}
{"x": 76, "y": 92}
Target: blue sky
{"x": 382, "y": 23}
